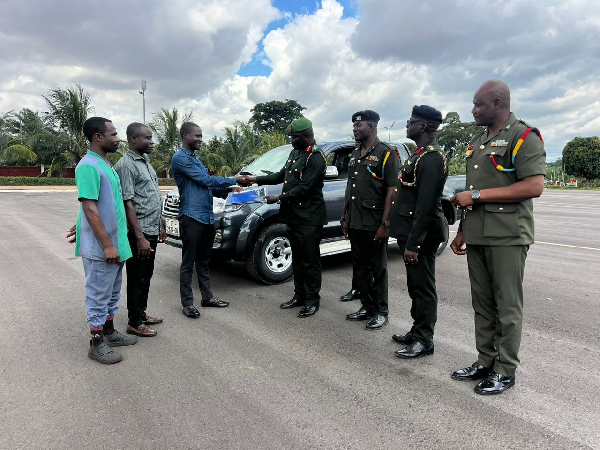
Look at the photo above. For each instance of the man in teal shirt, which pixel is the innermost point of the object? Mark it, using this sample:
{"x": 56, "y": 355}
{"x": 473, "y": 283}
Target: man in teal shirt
{"x": 101, "y": 238}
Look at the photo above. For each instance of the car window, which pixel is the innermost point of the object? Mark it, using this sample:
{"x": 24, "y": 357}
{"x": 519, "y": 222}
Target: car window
{"x": 270, "y": 162}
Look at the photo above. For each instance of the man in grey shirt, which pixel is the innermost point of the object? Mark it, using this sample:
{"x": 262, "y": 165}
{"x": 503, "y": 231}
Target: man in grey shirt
{"x": 142, "y": 199}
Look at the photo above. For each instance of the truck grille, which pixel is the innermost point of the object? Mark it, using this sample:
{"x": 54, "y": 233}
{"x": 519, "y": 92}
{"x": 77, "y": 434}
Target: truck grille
{"x": 171, "y": 205}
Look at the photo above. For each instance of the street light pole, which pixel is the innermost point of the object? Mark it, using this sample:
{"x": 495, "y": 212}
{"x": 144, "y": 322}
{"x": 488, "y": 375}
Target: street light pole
{"x": 390, "y": 130}
{"x": 143, "y": 92}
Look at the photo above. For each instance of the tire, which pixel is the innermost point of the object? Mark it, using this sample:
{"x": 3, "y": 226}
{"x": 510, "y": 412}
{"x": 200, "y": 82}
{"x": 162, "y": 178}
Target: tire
{"x": 446, "y": 235}
{"x": 270, "y": 256}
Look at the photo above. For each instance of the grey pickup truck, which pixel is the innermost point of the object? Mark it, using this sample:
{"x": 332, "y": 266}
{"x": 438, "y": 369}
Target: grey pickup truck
{"x": 253, "y": 232}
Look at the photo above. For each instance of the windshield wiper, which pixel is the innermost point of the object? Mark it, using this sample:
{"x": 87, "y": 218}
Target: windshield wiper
{"x": 268, "y": 172}
{"x": 247, "y": 173}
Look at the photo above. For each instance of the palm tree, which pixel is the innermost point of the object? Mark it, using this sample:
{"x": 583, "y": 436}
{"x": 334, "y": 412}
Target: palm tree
{"x": 18, "y": 155}
{"x": 68, "y": 111}
{"x": 165, "y": 126}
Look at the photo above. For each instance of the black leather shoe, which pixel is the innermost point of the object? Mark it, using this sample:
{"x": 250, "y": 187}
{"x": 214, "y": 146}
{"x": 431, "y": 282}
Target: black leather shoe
{"x": 293, "y": 303}
{"x": 361, "y": 314}
{"x": 216, "y": 303}
{"x": 307, "y": 311}
{"x": 415, "y": 350}
{"x": 495, "y": 384}
{"x": 475, "y": 372}
{"x": 376, "y": 322}
{"x": 405, "y": 339}
{"x": 191, "y": 311}
{"x": 352, "y": 295}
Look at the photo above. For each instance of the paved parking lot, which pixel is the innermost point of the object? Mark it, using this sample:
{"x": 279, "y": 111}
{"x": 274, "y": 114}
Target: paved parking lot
{"x": 252, "y": 376}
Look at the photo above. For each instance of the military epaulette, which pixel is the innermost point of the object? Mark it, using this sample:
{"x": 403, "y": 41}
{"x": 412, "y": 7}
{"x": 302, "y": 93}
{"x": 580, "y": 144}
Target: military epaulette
{"x": 316, "y": 148}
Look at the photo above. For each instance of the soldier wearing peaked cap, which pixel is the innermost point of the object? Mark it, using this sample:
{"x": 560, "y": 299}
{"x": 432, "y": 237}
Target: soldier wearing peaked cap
{"x": 506, "y": 164}
{"x": 418, "y": 224}
{"x": 303, "y": 210}
{"x": 373, "y": 174}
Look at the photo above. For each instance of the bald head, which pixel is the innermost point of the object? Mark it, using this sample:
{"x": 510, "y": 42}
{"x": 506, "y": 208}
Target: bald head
{"x": 496, "y": 89}
{"x": 491, "y": 103}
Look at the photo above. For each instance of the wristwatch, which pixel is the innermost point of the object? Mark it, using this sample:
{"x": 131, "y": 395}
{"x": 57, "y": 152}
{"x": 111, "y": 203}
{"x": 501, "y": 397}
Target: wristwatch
{"x": 475, "y": 196}
{"x": 385, "y": 223}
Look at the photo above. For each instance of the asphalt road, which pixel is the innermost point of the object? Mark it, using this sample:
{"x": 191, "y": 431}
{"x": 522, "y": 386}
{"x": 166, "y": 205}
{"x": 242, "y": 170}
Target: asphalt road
{"x": 252, "y": 376}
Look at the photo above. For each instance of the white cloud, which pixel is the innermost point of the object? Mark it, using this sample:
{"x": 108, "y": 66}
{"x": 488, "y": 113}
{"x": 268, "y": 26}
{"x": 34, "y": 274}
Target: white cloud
{"x": 395, "y": 55}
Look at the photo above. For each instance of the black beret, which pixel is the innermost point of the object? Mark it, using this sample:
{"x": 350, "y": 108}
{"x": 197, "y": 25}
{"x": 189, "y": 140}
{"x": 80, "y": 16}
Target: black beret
{"x": 427, "y": 113}
{"x": 367, "y": 116}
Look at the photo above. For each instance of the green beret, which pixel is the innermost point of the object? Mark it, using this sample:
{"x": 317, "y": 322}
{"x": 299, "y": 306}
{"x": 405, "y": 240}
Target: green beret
{"x": 366, "y": 116}
{"x": 427, "y": 113}
{"x": 299, "y": 125}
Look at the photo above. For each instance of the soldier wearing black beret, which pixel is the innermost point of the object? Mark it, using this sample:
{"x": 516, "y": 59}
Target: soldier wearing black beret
{"x": 418, "y": 224}
{"x": 373, "y": 174}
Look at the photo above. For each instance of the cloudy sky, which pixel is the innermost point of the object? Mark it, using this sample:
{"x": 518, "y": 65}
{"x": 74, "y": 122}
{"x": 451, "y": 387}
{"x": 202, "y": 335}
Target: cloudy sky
{"x": 217, "y": 58}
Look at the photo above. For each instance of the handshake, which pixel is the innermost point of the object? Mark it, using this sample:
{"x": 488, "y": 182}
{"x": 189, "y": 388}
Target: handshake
{"x": 245, "y": 180}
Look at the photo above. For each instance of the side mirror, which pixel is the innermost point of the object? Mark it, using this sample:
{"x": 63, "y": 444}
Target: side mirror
{"x": 331, "y": 172}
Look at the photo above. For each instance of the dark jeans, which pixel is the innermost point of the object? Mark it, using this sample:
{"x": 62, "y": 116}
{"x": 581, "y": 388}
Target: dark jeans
{"x": 306, "y": 262}
{"x": 139, "y": 273}
{"x": 420, "y": 279}
{"x": 369, "y": 263}
{"x": 197, "y": 240}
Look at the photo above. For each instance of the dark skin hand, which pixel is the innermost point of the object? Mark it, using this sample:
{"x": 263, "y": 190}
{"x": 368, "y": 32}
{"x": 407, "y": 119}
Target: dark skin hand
{"x": 410, "y": 257}
{"x": 458, "y": 244}
{"x": 271, "y": 199}
{"x": 383, "y": 233}
{"x": 90, "y": 209}
{"x": 72, "y": 234}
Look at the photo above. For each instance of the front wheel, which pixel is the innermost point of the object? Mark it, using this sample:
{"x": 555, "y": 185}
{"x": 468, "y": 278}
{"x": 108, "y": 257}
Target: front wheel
{"x": 270, "y": 257}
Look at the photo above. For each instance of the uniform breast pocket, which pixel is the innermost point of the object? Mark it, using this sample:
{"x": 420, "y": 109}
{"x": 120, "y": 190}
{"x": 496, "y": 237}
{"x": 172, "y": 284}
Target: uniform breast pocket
{"x": 373, "y": 212}
{"x": 371, "y": 167}
{"x": 500, "y": 155}
{"x": 408, "y": 173}
{"x": 501, "y": 220}
{"x": 406, "y": 209}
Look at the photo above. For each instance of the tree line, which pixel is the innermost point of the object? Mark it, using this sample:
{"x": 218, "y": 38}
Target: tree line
{"x": 55, "y": 138}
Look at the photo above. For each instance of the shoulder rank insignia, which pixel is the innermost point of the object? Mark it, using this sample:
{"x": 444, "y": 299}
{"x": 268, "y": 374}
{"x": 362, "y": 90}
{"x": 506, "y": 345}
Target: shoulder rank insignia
{"x": 372, "y": 158}
{"x": 430, "y": 147}
{"x": 409, "y": 162}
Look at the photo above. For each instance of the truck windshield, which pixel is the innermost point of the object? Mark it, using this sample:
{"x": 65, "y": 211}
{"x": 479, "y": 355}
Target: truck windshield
{"x": 270, "y": 162}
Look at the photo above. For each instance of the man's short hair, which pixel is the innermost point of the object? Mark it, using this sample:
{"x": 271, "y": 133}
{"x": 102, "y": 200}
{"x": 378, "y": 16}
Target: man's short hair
{"x": 134, "y": 129}
{"x": 94, "y": 125}
{"x": 187, "y": 128}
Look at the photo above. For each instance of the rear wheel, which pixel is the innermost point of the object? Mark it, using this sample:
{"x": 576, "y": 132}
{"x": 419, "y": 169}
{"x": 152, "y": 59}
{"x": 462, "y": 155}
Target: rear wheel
{"x": 270, "y": 257}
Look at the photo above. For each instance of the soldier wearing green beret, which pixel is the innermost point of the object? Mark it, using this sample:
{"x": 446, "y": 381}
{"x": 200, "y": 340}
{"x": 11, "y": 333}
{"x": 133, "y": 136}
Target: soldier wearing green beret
{"x": 506, "y": 165}
{"x": 303, "y": 210}
{"x": 419, "y": 225}
{"x": 373, "y": 175}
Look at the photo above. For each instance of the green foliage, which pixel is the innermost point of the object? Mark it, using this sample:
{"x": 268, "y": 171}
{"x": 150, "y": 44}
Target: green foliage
{"x": 454, "y": 137}
{"x": 275, "y": 115}
{"x": 18, "y": 155}
{"x": 165, "y": 127}
{"x": 68, "y": 111}
{"x": 581, "y": 158}
{"x": 36, "y": 181}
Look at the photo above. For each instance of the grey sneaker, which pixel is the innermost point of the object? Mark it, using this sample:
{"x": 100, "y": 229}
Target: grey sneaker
{"x": 119, "y": 339}
{"x": 104, "y": 354}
